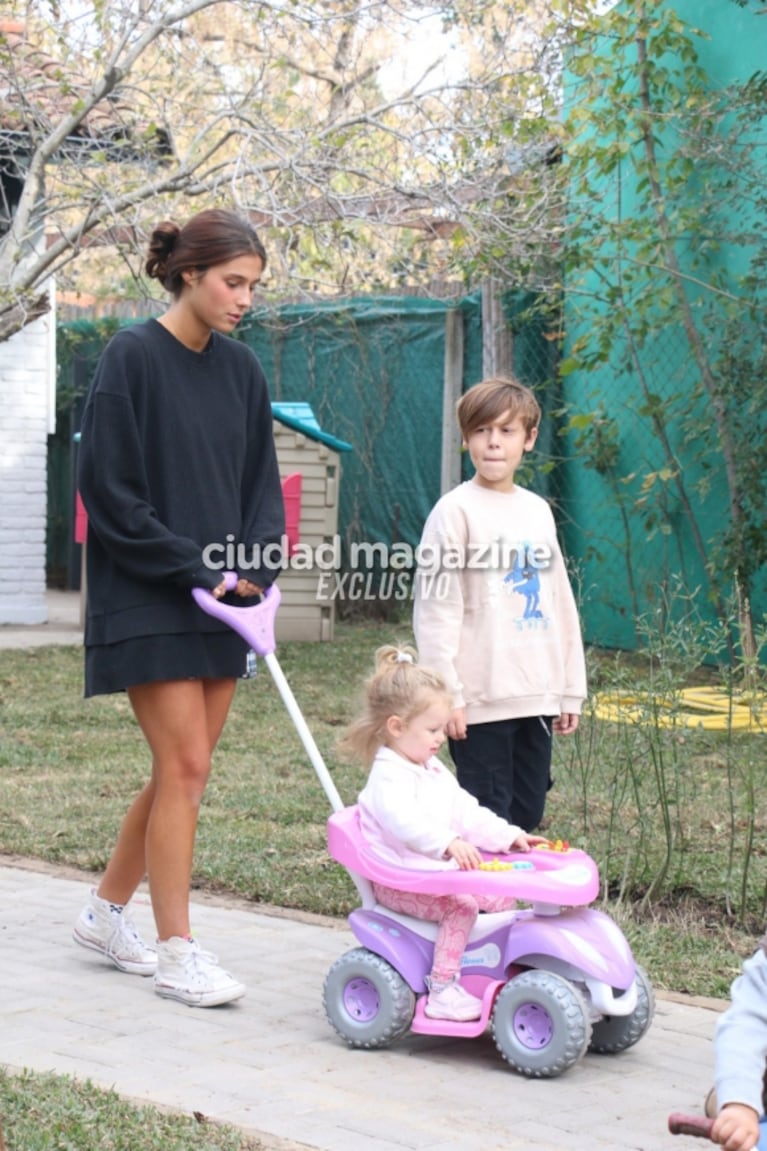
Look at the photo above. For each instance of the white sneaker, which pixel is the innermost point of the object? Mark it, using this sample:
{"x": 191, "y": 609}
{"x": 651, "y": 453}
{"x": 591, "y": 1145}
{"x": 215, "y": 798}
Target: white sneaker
{"x": 107, "y": 927}
{"x": 186, "y": 972}
{"x": 453, "y": 1002}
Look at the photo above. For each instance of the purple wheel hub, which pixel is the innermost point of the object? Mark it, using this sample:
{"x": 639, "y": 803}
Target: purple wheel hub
{"x": 532, "y": 1026}
{"x": 361, "y": 1000}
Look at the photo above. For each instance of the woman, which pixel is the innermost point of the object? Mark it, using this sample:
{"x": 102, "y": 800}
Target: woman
{"x": 176, "y": 455}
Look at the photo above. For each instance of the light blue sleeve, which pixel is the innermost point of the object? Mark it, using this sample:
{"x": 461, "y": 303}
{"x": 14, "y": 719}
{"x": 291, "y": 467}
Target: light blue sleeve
{"x": 740, "y": 1039}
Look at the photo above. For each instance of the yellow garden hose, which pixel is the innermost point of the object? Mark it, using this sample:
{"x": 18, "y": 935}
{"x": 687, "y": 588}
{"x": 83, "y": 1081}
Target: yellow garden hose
{"x": 710, "y": 708}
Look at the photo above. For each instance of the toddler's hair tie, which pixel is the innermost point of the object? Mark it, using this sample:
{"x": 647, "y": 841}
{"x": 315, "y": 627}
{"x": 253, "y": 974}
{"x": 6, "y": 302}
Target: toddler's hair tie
{"x": 403, "y": 657}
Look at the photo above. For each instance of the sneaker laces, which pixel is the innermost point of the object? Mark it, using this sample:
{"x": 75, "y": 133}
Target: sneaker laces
{"x": 126, "y": 932}
{"x": 197, "y": 958}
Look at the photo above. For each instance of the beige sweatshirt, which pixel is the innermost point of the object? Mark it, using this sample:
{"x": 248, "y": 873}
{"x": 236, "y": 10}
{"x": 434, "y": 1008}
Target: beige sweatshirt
{"x": 494, "y": 610}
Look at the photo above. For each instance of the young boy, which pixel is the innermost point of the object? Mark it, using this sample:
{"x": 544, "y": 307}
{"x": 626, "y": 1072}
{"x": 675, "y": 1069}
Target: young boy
{"x": 740, "y": 1051}
{"x": 495, "y": 614}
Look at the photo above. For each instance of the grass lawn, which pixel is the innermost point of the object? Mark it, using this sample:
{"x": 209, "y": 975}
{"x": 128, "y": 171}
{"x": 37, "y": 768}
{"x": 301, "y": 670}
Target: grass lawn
{"x": 672, "y": 817}
{"x": 68, "y": 768}
{"x": 55, "y": 1113}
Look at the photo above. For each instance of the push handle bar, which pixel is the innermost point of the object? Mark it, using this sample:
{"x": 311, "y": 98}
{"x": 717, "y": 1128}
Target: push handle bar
{"x": 690, "y": 1125}
{"x": 255, "y": 623}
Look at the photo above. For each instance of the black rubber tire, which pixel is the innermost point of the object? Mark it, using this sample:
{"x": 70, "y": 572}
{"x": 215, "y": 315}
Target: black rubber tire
{"x": 615, "y": 1033}
{"x": 563, "y": 1010}
{"x": 366, "y": 1000}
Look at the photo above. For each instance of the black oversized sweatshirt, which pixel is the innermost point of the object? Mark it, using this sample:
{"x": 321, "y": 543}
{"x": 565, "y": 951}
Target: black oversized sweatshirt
{"x": 176, "y": 453}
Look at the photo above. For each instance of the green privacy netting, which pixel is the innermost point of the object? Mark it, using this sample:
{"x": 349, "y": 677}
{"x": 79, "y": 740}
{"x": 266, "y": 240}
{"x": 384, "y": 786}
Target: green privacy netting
{"x": 372, "y": 371}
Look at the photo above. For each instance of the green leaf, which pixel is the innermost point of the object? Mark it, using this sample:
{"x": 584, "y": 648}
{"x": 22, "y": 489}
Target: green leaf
{"x": 568, "y": 366}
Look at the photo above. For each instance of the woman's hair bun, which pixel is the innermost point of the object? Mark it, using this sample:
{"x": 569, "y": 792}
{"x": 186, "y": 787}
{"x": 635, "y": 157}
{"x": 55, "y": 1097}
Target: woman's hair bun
{"x": 161, "y": 245}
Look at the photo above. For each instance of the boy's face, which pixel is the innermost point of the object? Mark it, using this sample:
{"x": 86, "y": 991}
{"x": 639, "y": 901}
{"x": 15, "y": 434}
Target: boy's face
{"x": 496, "y": 450}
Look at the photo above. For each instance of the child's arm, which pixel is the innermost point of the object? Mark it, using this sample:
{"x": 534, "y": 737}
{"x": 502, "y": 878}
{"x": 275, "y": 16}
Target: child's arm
{"x": 740, "y": 1050}
{"x": 465, "y": 854}
{"x": 456, "y": 725}
{"x": 571, "y": 639}
{"x": 566, "y": 723}
{"x": 736, "y": 1128}
{"x": 524, "y": 842}
{"x": 481, "y": 827}
{"x": 468, "y": 857}
{"x": 438, "y": 606}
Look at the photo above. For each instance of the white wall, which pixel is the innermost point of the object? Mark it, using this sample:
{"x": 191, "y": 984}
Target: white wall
{"x": 26, "y": 405}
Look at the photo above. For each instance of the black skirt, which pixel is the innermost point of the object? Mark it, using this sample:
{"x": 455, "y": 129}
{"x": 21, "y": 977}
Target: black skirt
{"x": 155, "y": 658}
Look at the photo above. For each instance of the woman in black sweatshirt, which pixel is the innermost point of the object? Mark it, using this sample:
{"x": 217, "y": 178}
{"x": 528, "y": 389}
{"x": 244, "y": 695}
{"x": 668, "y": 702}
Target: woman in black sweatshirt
{"x": 177, "y": 461}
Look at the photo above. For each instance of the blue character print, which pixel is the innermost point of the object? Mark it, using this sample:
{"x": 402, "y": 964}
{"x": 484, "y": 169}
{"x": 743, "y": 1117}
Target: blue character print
{"x": 524, "y": 580}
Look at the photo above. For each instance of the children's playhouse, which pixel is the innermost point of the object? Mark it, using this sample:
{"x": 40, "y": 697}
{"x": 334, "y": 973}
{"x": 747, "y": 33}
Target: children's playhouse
{"x": 310, "y": 468}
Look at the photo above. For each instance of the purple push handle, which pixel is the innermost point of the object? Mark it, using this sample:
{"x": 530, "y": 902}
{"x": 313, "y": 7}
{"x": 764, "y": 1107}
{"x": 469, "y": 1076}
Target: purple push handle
{"x": 255, "y": 623}
{"x": 256, "y": 626}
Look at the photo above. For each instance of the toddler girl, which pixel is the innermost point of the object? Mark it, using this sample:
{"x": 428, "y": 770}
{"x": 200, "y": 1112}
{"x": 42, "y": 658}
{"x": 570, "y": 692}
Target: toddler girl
{"x": 414, "y": 813}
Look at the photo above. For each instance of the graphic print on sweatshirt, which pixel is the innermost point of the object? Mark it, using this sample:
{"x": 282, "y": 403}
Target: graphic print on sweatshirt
{"x": 524, "y": 580}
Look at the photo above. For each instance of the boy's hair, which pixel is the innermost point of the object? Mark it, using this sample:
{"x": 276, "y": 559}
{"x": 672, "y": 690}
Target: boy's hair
{"x": 486, "y": 402}
{"x": 399, "y": 686}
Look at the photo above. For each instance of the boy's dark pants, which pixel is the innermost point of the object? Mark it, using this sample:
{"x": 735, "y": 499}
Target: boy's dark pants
{"x": 506, "y": 765}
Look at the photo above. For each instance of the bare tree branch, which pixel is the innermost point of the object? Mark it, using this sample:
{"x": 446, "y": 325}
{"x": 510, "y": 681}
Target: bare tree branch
{"x": 290, "y": 113}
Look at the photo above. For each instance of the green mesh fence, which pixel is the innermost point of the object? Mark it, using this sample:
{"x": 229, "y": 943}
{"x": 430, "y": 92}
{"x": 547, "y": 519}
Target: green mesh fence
{"x": 645, "y": 509}
{"x": 373, "y": 373}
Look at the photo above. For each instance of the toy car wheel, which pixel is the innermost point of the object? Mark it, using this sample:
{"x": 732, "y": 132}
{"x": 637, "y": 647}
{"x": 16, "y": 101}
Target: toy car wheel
{"x": 541, "y": 1024}
{"x": 366, "y": 1000}
{"x": 618, "y": 1032}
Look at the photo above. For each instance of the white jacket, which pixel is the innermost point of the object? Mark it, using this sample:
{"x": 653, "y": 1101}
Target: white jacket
{"x": 494, "y": 611}
{"x": 410, "y": 812}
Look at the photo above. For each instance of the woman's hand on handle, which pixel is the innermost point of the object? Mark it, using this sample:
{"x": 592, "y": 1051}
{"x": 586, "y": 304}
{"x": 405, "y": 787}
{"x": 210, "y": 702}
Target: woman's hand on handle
{"x": 243, "y": 587}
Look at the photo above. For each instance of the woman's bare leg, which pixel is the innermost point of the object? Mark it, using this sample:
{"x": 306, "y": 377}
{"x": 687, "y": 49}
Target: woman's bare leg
{"x": 127, "y": 865}
{"x": 181, "y": 721}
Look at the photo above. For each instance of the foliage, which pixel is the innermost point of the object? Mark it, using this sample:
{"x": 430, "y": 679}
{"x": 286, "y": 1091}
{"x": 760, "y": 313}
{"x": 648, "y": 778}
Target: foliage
{"x": 663, "y": 775}
{"x": 77, "y": 342}
{"x": 662, "y": 260}
{"x": 298, "y": 114}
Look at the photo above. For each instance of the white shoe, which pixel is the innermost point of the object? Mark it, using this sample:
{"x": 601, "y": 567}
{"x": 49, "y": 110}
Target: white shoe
{"x": 187, "y": 973}
{"x": 107, "y": 927}
{"x": 453, "y": 1002}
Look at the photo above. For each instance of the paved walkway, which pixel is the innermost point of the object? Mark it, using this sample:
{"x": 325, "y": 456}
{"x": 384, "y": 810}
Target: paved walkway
{"x": 271, "y": 1063}
{"x": 63, "y": 626}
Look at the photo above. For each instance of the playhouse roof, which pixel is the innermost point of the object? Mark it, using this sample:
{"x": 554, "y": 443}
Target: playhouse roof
{"x": 301, "y": 418}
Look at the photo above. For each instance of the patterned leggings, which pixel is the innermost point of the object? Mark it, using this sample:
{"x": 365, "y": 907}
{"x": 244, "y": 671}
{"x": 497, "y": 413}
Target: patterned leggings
{"x": 455, "y": 914}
